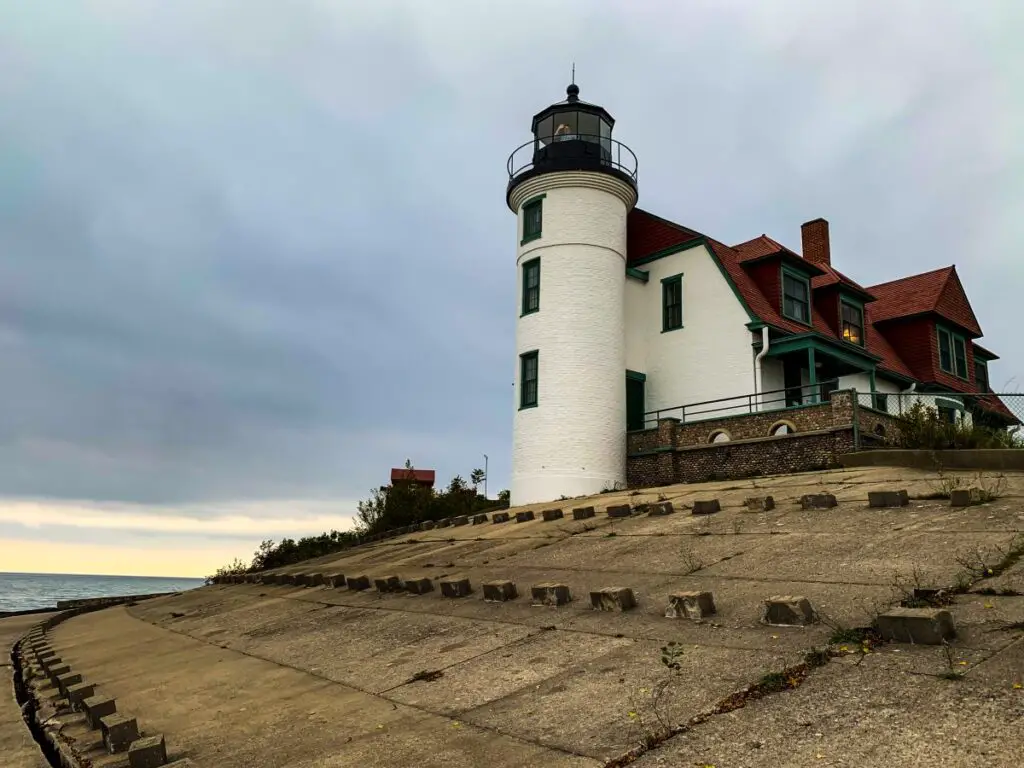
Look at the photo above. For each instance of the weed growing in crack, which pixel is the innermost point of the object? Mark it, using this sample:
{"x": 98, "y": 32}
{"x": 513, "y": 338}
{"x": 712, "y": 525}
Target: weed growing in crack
{"x": 953, "y": 666}
{"x": 986, "y": 562}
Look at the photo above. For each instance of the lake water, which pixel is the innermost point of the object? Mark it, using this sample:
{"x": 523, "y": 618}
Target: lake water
{"x": 24, "y": 591}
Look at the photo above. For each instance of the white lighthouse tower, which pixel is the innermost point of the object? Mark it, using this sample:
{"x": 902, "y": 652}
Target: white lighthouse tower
{"x": 571, "y": 188}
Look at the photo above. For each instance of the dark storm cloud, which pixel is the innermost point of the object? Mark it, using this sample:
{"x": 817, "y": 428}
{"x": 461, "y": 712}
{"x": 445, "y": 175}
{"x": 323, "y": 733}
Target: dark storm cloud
{"x": 259, "y": 250}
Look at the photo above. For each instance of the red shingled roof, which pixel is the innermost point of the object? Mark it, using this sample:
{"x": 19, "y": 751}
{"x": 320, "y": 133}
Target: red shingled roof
{"x": 422, "y": 476}
{"x": 937, "y": 291}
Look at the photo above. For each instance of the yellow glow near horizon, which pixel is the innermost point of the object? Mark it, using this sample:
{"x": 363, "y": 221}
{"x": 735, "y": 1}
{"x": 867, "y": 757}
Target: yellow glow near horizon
{"x": 20, "y": 556}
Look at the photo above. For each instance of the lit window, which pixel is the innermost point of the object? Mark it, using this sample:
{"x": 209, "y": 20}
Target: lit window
{"x": 531, "y": 286}
{"x": 672, "y": 303}
{"x": 528, "y": 380}
{"x": 853, "y": 323}
{"x": 796, "y": 303}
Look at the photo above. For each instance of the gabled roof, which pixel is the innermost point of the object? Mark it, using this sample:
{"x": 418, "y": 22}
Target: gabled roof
{"x": 938, "y": 291}
{"x": 647, "y": 234}
{"x": 833, "y": 276}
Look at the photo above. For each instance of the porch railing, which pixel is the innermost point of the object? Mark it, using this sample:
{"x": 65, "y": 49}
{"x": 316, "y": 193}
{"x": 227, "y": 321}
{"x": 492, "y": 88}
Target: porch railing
{"x": 772, "y": 400}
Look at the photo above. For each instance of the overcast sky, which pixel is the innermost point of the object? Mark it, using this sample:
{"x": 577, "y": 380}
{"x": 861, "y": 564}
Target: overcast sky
{"x": 254, "y": 253}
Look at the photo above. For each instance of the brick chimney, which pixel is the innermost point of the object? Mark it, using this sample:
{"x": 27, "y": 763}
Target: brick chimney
{"x": 815, "y": 242}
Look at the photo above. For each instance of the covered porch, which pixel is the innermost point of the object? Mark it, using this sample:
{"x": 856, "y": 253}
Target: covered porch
{"x": 806, "y": 369}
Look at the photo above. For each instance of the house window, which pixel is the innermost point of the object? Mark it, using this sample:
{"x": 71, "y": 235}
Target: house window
{"x": 796, "y": 297}
{"x": 528, "y": 379}
{"x": 981, "y": 375}
{"x": 960, "y": 356}
{"x": 881, "y": 402}
{"x": 853, "y": 323}
{"x": 947, "y": 415}
{"x": 672, "y": 303}
{"x": 827, "y": 388}
{"x": 952, "y": 353}
{"x": 945, "y": 351}
{"x": 533, "y": 218}
{"x": 531, "y": 286}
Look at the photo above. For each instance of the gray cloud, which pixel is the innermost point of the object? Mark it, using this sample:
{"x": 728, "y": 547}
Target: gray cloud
{"x": 257, "y": 252}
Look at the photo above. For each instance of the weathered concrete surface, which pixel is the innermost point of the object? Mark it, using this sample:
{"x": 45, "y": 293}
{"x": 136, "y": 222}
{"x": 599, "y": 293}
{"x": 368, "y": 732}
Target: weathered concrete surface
{"x": 17, "y": 748}
{"x": 472, "y": 682}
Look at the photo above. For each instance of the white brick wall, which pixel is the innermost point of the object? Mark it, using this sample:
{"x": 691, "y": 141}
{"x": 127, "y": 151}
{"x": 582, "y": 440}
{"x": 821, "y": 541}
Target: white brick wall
{"x": 710, "y": 357}
{"x": 573, "y": 442}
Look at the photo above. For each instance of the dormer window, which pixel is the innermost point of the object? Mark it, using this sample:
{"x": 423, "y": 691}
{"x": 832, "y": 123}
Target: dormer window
{"x": 852, "y": 322}
{"x": 796, "y": 297}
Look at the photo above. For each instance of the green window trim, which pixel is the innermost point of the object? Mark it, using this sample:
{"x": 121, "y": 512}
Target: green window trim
{"x": 981, "y": 375}
{"x": 791, "y": 300}
{"x": 533, "y": 219}
{"x": 851, "y": 321}
{"x": 531, "y": 287}
{"x": 952, "y": 349}
{"x": 672, "y": 303}
{"x": 529, "y": 376}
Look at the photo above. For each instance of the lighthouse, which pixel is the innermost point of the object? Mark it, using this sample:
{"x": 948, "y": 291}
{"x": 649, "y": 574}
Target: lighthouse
{"x": 571, "y": 187}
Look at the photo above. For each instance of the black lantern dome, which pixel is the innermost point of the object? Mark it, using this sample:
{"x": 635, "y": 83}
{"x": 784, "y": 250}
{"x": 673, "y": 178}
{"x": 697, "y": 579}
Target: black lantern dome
{"x": 571, "y": 135}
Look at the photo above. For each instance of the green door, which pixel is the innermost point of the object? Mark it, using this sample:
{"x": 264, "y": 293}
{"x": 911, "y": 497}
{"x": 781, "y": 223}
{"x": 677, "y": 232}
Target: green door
{"x": 634, "y": 401}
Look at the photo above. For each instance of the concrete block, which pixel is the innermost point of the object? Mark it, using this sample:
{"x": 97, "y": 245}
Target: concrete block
{"x": 551, "y": 514}
{"x": 613, "y": 599}
{"x": 334, "y": 580}
{"x": 444, "y": 523}
{"x": 148, "y": 752}
{"x": 301, "y": 579}
{"x": 315, "y": 580}
{"x": 358, "y": 583}
{"x": 419, "y": 586}
{"x": 583, "y": 513}
{"x": 499, "y": 591}
{"x": 880, "y": 499}
{"x": 64, "y": 681}
{"x": 500, "y": 517}
{"x": 269, "y": 578}
{"x": 388, "y": 584}
{"x": 455, "y": 587}
{"x": 690, "y": 605}
{"x": 760, "y": 503}
{"x": 478, "y": 519}
{"x": 619, "y": 510}
{"x": 550, "y": 594}
{"x": 428, "y": 525}
{"x": 525, "y": 516}
{"x": 118, "y": 732}
{"x": 460, "y": 520}
{"x": 923, "y": 626}
{"x": 706, "y": 507}
{"x": 787, "y": 611}
{"x": 965, "y": 497}
{"x": 96, "y": 707}
{"x": 78, "y": 693}
{"x": 415, "y": 527}
{"x": 49, "y": 653}
{"x": 288, "y": 579}
{"x": 818, "y": 501}
{"x": 661, "y": 509}
{"x": 56, "y": 670}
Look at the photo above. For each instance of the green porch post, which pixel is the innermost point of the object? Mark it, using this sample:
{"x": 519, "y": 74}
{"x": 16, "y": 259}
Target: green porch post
{"x": 812, "y": 376}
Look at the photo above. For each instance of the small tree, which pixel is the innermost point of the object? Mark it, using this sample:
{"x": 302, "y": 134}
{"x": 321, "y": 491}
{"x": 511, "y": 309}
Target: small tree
{"x": 476, "y": 477}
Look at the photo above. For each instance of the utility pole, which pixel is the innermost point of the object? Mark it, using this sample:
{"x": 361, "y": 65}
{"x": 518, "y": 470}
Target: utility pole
{"x": 485, "y": 475}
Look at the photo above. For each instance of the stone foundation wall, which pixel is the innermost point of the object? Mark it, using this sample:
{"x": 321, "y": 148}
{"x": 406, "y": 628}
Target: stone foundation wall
{"x": 676, "y": 452}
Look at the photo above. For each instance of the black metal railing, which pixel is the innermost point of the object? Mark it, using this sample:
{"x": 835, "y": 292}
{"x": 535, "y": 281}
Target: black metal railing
{"x": 739, "y": 405}
{"x": 573, "y": 151}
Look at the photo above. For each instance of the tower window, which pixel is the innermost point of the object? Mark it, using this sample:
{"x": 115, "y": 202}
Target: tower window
{"x": 531, "y": 286}
{"x": 672, "y": 303}
{"x": 853, "y": 323}
{"x": 796, "y": 297}
{"x": 528, "y": 379}
{"x": 533, "y": 219}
